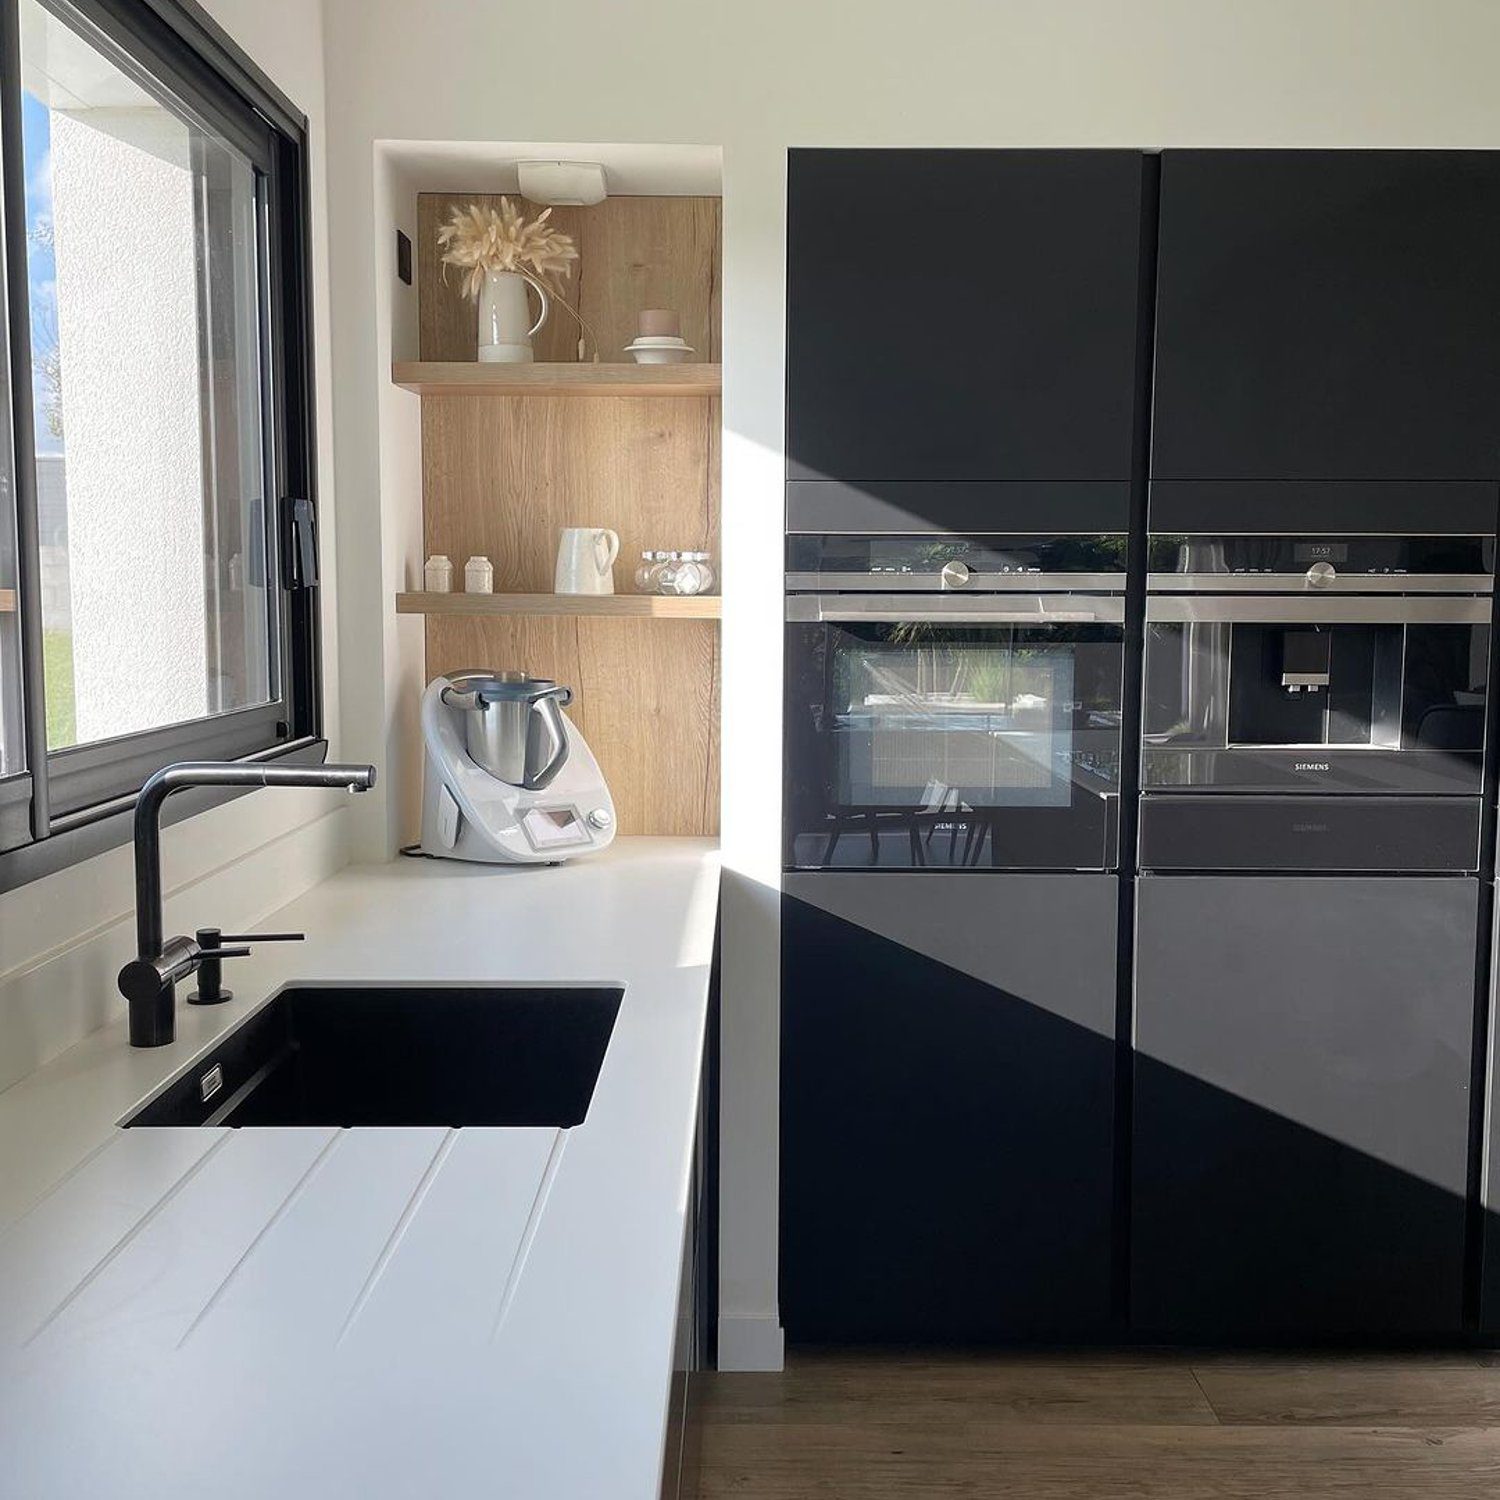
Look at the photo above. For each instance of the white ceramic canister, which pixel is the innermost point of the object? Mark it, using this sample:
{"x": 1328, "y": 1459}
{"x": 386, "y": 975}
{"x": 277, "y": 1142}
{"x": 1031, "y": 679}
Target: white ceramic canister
{"x": 479, "y": 576}
{"x": 437, "y": 576}
{"x": 586, "y": 560}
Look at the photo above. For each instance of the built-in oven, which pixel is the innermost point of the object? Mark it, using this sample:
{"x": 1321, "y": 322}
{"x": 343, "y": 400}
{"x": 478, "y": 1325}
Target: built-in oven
{"x": 953, "y": 702}
{"x": 1282, "y": 669}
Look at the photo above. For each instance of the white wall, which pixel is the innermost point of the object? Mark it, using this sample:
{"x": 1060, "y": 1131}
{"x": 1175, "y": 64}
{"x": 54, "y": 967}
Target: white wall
{"x": 62, "y": 938}
{"x": 133, "y": 435}
{"x": 757, "y": 76}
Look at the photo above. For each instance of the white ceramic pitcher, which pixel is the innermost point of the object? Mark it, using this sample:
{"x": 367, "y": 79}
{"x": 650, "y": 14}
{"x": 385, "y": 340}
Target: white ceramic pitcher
{"x": 505, "y": 326}
{"x": 586, "y": 560}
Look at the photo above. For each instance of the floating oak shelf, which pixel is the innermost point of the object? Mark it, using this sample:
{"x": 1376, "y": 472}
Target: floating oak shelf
{"x": 637, "y": 606}
{"x": 469, "y": 378}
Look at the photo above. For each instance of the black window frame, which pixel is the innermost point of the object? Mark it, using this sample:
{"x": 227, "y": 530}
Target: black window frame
{"x": 72, "y": 803}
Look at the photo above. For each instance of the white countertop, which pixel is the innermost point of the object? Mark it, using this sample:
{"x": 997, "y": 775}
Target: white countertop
{"x": 389, "y": 1314}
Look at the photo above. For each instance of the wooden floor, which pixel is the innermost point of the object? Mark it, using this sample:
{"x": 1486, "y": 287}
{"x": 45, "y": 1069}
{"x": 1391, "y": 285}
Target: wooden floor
{"x": 867, "y": 1427}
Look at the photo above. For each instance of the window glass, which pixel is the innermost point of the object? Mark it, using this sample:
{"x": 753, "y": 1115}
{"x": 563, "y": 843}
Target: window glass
{"x": 12, "y": 729}
{"x": 145, "y": 284}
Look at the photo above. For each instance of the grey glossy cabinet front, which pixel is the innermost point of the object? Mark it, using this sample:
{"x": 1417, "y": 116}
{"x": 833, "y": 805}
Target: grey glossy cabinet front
{"x": 947, "y": 1139}
{"x": 1301, "y": 1105}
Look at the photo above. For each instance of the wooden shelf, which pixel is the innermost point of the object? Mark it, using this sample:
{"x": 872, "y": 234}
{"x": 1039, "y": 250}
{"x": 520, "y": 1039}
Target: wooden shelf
{"x": 470, "y": 378}
{"x": 636, "y": 606}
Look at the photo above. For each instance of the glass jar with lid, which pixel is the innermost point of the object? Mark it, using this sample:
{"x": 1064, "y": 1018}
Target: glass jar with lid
{"x": 646, "y": 574}
{"x": 706, "y": 570}
{"x": 691, "y": 573}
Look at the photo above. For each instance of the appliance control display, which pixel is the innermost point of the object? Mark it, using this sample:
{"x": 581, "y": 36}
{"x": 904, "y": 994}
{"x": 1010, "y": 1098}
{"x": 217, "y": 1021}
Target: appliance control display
{"x": 943, "y": 556}
{"x": 1314, "y": 552}
{"x": 1461, "y": 556}
{"x": 555, "y": 828}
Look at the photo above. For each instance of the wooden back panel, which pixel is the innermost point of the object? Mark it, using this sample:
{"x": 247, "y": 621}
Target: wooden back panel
{"x": 633, "y": 253}
{"x": 645, "y": 696}
{"x": 501, "y": 475}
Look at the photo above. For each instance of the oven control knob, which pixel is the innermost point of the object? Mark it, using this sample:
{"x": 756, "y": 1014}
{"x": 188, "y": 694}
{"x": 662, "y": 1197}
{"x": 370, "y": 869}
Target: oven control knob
{"x": 955, "y": 575}
{"x": 1321, "y": 574}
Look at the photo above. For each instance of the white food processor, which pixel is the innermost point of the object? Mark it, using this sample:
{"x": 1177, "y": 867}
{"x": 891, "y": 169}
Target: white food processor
{"x": 508, "y": 778}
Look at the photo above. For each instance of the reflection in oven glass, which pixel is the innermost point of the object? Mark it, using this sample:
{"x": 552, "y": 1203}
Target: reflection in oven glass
{"x": 954, "y": 724}
{"x": 1360, "y": 707}
{"x": 977, "y": 745}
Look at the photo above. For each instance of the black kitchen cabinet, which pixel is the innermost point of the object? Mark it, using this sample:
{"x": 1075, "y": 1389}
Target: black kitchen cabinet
{"x": 1489, "y": 1185}
{"x": 1327, "y": 316}
{"x": 962, "y": 316}
{"x": 948, "y": 1065}
{"x": 1301, "y": 1106}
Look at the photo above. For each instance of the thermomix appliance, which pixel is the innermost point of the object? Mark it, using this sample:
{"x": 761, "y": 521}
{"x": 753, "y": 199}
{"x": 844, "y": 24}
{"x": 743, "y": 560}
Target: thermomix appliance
{"x": 508, "y": 778}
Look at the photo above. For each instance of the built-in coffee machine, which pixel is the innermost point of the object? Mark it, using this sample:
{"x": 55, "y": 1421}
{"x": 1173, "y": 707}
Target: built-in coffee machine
{"x": 1322, "y": 667}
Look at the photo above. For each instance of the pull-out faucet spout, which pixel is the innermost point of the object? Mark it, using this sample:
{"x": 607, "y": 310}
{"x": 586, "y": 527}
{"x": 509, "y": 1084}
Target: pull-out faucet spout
{"x": 149, "y": 981}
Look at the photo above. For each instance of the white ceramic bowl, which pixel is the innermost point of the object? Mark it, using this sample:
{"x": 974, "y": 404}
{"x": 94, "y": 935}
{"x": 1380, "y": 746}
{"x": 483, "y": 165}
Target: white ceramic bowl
{"x": 659, "y": 353}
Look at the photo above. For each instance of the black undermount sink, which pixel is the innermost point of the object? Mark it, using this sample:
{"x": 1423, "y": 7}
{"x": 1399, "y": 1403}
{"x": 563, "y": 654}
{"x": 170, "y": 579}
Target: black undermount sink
{"x": 401, "y": 1055}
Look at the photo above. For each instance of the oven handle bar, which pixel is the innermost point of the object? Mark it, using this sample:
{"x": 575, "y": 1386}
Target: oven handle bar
{"x": 1339, "y": 583}
{"x": 949, "y": 609}
{"x": 977, "y": 583}
{"x": 1299, "y": 610}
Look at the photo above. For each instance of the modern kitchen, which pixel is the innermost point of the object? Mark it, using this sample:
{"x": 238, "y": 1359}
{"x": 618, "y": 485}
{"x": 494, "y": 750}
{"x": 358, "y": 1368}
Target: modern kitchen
{"x": 766, "y": 764}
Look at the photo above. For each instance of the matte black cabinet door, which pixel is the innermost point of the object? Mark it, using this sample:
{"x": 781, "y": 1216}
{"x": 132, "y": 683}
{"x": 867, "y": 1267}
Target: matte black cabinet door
{"x": 947, "y": 1106}
{"x": 1328, "y": 315}
{"x": 1301, "y": 1106}
{"x": 1489, "y": 1308}
{"x": 961, "y": 315}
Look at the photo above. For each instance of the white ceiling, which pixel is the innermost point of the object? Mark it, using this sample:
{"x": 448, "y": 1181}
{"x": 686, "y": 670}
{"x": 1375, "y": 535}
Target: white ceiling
{"x": 63, "y": 71}
{"x": 490, "y": 166}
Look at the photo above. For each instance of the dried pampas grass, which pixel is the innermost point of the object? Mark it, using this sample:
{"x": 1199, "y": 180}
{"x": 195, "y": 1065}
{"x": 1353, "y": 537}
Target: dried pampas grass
{"x": 480, "y": 240}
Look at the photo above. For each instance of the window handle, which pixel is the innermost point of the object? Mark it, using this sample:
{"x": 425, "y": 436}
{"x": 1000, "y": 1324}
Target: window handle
{"x": 301, "y": 553}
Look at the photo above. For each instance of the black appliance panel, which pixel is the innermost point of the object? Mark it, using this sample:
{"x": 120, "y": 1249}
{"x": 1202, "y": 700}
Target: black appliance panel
{"x": 1301, "y": 1106}
{"x": 988, "y": 561}
{"x": 953, "y": 505}
{"x": 947, "y": 1117}
{"x": 917, "y": 744}
{"x": 1019, "y": 355}
{"x": 1290, "y": 506}
{"x": 1328, "y": 315}
{"x": 1342, "y": 834}
{"x": 1322, "y": 562}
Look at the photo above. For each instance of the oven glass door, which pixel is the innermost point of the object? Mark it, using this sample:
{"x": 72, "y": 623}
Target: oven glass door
{"x": 921, "y": 743}
{"x": 1257, "y": 697}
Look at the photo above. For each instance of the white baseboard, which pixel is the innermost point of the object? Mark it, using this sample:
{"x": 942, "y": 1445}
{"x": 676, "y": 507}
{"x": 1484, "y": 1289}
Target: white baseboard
{"x": 747, "y": 1344}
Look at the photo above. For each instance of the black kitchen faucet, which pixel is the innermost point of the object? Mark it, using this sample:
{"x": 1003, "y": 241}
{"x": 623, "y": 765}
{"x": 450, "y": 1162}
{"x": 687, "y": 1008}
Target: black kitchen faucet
{"x": 149, "y": 980}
